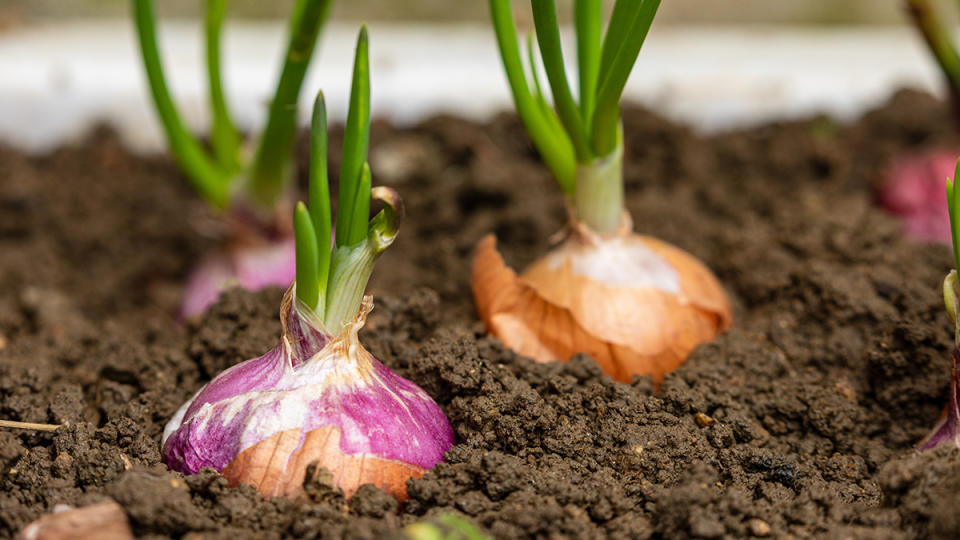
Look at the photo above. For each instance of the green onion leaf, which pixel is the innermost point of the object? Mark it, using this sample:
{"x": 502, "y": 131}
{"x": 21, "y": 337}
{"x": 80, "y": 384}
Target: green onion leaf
{"x": 554, "y": 146}
{"x": 532, "y": 61}
{"x": 384, "y": 226}
{"x": 548, "y": 36}
{"x": 361, "y": 207}
{"x": 351, "y": 228}
{"x": 939, "y": 39}
{"x": 549, "y": 116}
{"x": 953, "y": 209}
{"x": 308, "y": 290}
{"x": 208, "y": 178}
{"x": 269, "y": 174}
{"x": 588, "y": 17}
{"x": 224, "y": 137}
{"x": 629, "y": 24}
{"x": 319, "y": 195}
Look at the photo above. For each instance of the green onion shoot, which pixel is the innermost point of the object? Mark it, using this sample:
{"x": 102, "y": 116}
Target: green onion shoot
{"x": 333, "y": 267}
{"x": 253, "y": 189}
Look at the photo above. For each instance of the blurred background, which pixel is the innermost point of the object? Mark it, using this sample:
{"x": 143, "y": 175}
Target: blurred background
{"x": 713, "y": 64}
{"x": 795, "y": 12}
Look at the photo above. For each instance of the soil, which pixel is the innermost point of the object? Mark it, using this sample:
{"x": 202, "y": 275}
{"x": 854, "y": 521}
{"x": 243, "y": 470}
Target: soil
{"x": 800, "y": 422}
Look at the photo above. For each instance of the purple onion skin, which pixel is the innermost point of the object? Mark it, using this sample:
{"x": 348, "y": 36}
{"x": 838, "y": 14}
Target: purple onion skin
{"x": 947, "y": 430}
{"x": 914, "y": 192}
{"x": 252, "y": 268}
{"x": 308, "y": 381}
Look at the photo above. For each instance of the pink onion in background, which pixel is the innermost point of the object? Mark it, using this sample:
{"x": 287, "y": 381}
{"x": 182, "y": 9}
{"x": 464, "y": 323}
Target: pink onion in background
{"x": 313, "y": 398}
{"x": 914, "y": 192}
{"x": 252, "y": 268}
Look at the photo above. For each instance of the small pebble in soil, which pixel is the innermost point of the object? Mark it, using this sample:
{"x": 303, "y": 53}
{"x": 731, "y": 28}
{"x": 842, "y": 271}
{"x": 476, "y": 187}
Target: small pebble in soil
{"x": 758, "y": 527}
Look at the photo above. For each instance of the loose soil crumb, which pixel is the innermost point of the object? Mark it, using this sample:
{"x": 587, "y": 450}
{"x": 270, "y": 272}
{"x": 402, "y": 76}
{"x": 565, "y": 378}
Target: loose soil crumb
{"x": 800, "y": 421}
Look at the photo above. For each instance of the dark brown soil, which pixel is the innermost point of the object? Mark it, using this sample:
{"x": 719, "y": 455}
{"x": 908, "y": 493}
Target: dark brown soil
{"x": 798, "y": 422}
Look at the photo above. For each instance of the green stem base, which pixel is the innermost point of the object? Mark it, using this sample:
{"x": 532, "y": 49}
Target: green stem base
{"x": 348, "y": 279}
{"x": 598, "y": 199}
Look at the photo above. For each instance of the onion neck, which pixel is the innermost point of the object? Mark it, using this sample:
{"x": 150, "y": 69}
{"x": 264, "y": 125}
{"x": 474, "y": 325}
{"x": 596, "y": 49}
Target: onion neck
{"x": 598, "y": 199}
{"x": 351, "y": 270}
{"x": 303, "y": 328}
{"x": 352, "y": 265}
{"x": 341, "y": 292}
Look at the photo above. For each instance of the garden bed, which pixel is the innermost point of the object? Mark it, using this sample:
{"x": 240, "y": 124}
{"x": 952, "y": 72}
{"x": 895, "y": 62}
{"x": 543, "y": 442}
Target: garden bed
{"x": 799, "y": 421}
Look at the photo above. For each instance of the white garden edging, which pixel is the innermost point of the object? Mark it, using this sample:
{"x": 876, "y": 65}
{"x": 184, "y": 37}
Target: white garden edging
{"x": 55, "y": 81}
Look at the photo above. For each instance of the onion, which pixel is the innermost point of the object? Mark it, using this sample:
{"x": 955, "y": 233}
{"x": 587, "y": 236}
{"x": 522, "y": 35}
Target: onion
{"x": 313, "y": 398}
{"x": 913, "y": 191}
{"x": 637, "y": 305}
{"x": 319, "y": 396}
{"x": 254, "y": 267}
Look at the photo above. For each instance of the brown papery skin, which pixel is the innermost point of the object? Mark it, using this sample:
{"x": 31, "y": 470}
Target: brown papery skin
{"x": 550, "y": 314}
{"x": 277, "y": 466}
{"x": 101, "y": 521}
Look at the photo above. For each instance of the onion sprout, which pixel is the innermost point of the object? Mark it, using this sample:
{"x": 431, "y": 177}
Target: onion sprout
{"x": 221, "y": 174}
{"x": 331, "y": 280}
{"x": 578, "y": 141}
{"x": 939, "y": 40}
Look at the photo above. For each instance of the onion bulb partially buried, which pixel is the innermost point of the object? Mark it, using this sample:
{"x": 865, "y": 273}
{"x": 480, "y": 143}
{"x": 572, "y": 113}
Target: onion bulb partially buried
{"x": 636, "y": 305}
{"x": 319, "y": 396}
{"x": 315, "y": 398}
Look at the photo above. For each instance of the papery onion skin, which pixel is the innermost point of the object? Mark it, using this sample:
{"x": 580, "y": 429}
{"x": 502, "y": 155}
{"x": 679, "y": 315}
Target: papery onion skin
{"x": 278, "y": 465}
{"x": 638, "y": 306}
{"x": 103, "y": 520}
{"x": 377, "y": 414}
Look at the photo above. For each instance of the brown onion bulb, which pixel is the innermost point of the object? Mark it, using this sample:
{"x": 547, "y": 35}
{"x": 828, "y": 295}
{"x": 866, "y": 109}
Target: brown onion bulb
{"x": 636, "y": 305}
{"x": 278, "y": 465}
